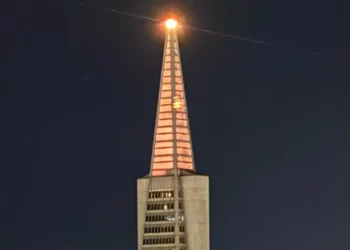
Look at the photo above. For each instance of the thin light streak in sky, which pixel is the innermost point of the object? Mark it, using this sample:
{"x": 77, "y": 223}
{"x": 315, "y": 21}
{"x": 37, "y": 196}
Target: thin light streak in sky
{"x": 224, "y": 34}
{"x": 124, "y": 13}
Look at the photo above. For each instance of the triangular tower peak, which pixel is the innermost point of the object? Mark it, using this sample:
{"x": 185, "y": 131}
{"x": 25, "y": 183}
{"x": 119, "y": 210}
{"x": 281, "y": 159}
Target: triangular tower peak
{"x": 172, "y": 201}
{"x": 172, "y": 147}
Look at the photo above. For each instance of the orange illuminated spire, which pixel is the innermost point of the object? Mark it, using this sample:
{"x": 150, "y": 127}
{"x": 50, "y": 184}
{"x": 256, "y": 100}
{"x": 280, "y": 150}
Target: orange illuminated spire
{"x": 172, "y": 147}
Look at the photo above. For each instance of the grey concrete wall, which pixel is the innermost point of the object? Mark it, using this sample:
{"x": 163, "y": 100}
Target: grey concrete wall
{"x": 196, "y": 206}
{"x": 142, "y": 195}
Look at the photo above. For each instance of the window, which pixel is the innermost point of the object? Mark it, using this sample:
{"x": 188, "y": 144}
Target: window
{"x": 157, "y": 241}
{"x": 159, "y": 229}
{"x": 160, "y": 206}
{"x": 150, "y": 218}
{"x": 160, "y": 194}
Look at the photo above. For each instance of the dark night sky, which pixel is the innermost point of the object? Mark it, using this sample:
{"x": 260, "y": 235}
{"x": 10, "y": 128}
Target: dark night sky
{"x": 270, "y": 124}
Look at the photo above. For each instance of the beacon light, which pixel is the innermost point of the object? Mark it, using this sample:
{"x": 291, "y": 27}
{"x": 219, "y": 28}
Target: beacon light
{"x": 171, "y": 23}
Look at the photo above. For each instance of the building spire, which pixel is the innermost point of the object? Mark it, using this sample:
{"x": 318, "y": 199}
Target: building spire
{"x": 172, "y": 146}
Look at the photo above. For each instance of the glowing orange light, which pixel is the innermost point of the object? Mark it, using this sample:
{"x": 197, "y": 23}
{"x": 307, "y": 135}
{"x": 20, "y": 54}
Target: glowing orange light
{"x": 171, "y": 23}
{"x": 177, "y": 103}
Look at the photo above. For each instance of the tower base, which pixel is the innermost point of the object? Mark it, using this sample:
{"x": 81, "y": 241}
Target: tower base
{"x": 195, "y": 200}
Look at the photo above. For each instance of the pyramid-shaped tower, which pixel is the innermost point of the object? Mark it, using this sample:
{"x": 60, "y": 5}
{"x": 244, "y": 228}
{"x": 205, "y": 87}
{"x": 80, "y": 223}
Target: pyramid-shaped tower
{"x": 173, "y": 201}
{"x": 172, "y": 147}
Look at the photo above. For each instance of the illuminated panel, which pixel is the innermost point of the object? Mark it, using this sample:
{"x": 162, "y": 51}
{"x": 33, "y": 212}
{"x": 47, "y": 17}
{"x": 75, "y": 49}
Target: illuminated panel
{"x": 165, "y": 116}
{"x": 179, "y": 87}
{"x": 182, "y": 130}
{"x": 182, "y": 144}
{"x": 166, "y": 144}
{"x": 164, "y": 137}
{"x": 178, "y": 80}
{"x": 165, "y": 101}
{"x": 163, "y": 123}
{"x": 184, "y": 151}
{"x": 163, "y": 151}
{"x": 163, "y": 158}
{"x": 156, "y": 172}
{"x": 166, "y": 94}
{"x": 166, "y": 80}
{"x": 182, "y": 137}
{"x": 164, "y": 108}
{"x": 188, "y": 166}
{"x": 184, "y": 158}
{"x": 181, "y": 116}
{"x": 167, "y": 73}
{"x": 183, "y": 123}
{"x": 167, "y": 122}
{"x": 166, "y": 86}
{"x": 164, "y": 130}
